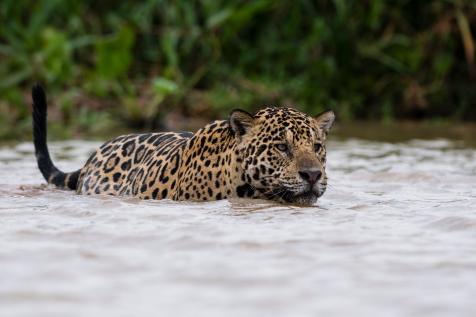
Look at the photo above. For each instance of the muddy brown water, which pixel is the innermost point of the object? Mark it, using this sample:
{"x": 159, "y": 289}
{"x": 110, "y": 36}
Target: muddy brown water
{"x": 395, "y": 235}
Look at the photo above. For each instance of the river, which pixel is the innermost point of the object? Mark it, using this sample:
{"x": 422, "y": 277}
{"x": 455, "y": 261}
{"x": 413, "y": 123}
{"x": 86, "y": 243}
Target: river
{"x": 394, "y": 235}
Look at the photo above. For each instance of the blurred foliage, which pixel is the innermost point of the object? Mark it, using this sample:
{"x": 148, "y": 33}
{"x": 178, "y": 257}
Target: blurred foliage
{"x": 128, "y": 63}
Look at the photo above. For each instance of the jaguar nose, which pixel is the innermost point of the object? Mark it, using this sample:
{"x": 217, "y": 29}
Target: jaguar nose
{"x": 311, "y": 176}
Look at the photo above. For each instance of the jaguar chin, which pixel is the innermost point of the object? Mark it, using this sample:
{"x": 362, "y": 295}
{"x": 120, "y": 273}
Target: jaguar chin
{"x": 306, "y": 197}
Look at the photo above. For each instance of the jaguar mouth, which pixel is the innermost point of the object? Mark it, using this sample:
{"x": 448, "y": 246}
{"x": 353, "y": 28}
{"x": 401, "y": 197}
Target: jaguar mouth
{"x": 304, "y": 198}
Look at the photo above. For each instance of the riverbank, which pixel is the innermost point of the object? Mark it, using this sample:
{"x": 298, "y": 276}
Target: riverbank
{"x": 395, "y": 131}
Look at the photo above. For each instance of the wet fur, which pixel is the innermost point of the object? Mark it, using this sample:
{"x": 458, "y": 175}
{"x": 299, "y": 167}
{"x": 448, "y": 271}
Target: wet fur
{"x": 226, "y": 158}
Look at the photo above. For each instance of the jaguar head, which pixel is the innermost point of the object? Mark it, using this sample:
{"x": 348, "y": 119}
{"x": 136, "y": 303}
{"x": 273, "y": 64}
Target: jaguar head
{"x": 282, "y": 153}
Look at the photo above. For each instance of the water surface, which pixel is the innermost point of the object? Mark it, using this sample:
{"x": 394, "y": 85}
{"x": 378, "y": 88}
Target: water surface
{"x": 394, "y": 235}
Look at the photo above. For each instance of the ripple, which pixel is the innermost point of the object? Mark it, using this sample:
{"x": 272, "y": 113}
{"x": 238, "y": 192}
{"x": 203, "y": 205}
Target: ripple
{"x": 397, "y": 223}
{"x": 454, "y": 224}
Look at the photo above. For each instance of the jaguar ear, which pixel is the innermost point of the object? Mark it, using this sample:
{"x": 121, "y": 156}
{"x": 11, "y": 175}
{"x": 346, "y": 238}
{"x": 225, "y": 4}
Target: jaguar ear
{"x": 325, "y": 120}
{"x": 241, "y": 121}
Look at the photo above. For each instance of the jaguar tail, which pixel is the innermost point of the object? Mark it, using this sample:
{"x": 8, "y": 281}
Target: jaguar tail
{"x": 50, "y": 172}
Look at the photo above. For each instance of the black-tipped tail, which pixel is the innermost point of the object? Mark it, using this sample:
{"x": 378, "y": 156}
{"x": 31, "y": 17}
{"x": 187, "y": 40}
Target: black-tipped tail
{"x": 46, "y": 166}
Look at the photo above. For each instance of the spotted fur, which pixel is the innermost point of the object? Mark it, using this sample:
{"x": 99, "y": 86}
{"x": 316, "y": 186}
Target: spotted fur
{"x": 278, "y": 154}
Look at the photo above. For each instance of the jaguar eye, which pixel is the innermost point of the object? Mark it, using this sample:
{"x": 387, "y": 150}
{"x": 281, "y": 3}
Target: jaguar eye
{"x": 282, "y": 147}
{"x": 317, "y": 147}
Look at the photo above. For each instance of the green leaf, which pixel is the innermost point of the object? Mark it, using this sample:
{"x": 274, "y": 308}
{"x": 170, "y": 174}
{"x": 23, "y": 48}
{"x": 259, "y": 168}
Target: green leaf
{"x": 169, "y": 46}
{"x": 114, "y": 53}
{"x": 218, "y": 18}
{"x": 15, "y": 78}
{"x": 56, "y": 55}
{"x": 442, "y": 63}
{"x": 163, "y": 86}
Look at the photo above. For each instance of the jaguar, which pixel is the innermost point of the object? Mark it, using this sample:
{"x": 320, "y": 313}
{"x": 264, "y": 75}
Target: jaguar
{"x": 278, "y": 153}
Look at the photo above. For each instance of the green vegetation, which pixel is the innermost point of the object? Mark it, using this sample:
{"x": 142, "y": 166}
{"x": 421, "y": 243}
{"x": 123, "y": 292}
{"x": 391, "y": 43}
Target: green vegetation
{"x": 126, "y": 64}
